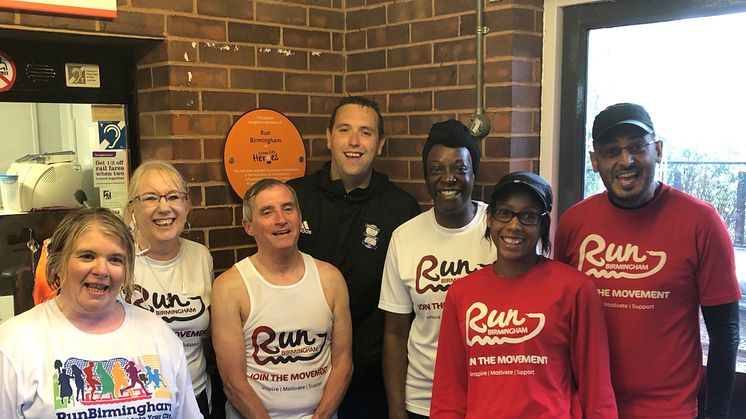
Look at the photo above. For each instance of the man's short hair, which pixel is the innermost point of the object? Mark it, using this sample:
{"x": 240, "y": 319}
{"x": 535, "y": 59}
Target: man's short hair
{"x": 360, "y": 101}
{"x": 452, "y": 134}
{"x": 260, "y": 186}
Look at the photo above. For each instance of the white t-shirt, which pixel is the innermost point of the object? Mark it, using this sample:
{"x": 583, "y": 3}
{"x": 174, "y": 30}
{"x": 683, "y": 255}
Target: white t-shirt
{"x": 51, "y": 369}
{"x": 423, "y": 259}
{"x": 178, "y": 291}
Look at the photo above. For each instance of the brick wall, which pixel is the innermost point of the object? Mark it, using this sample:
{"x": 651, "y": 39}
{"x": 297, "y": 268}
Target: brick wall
{"x": 219, "y": 58}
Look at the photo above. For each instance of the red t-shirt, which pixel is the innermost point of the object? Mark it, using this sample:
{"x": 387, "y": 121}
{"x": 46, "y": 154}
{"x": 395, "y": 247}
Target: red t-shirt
{"x": 530, "y": 346}
{"x": 653, "y": 267}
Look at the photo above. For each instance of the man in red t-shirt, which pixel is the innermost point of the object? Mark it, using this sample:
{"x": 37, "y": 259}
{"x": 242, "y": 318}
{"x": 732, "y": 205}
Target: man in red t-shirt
{"x": 656, "y": 255}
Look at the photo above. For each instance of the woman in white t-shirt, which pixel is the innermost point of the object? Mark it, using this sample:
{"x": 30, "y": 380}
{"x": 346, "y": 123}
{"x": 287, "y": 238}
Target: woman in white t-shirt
{"x": 425, "y": 255}
{"x": 86, "y": 351}
{"x": 173, "y": 275}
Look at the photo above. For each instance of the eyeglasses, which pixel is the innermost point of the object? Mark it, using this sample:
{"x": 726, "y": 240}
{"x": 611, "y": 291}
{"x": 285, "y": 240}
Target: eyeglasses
{"x": 175, "y": 199}
{"x": 527, "y": 218}
{"x": 616, "y": 151}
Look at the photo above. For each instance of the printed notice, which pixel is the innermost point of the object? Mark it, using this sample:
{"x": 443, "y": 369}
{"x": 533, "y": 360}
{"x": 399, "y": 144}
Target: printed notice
{"x": 109, "y": 168}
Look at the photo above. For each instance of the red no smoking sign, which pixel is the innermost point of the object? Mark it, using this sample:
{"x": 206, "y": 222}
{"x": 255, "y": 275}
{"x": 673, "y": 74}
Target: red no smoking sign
{"x": 7, "y": 72}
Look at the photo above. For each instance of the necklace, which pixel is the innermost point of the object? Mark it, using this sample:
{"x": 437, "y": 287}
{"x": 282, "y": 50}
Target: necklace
{"x": 174, "y": 265}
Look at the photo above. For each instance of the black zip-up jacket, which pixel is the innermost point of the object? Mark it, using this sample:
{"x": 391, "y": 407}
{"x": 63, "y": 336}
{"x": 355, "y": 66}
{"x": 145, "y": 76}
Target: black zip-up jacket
{"x": 352, "y": 231}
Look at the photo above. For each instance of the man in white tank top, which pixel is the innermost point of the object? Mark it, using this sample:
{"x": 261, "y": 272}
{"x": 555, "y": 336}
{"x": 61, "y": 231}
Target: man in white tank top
{"x": 281, "y": 323}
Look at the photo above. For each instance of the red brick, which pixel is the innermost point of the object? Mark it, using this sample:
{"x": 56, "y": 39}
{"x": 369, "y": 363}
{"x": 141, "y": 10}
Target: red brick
{"x": 455, "y": 99}
{"x": 283, "y": 58}
{"x": 366, "y": 18}
{"x": 491, "y": 172}
{"x": 144, "y": 78}
{"x": 202, "y": 172}
{"x": 202, "y": 124}
{"x": 213, "y": 148}
{"x": 387, "y": 36}
{"x": 280, "y": 13}
{"x": 301, "y": 38}
{"x": 57, "y": 22}
{"x": 195, "y": 195}
{"x": 310, "y": 125}
{"x": 146, "y": 125}
{"x": 223, "y": 259}
{"x": 221, "y": 195}
{"x": 328, "y": 19}
{"x": 326, "y": 61}
{"x": 319, "y": 149}
{"x": 420, "y": 124}
{"x": 338, "y": 41}
{"x": 389, "y": 80}
{"x": 196, "y": 28}
{"x": 167, "y": 6}
{"x": 365, "y": 61}
{"x": 355, "y": 40}
{"x": 514, "y": 96}
{"x": 409, "y": 10}
{"x": 410, "y": 102}
{"x": 458, "y": 50}
{"x": 167, "y": 100}
{"x": 133, "y": 23}
{"x": 230, "y": 54}
{"x": 256, "y": 79}
{"x": 453, "y": 6}
{"x": 516, "y": 45}
{"x": 210, "y": 217}
{"x": 395, "y": 169}
{"x": 356, "y": 83}
{"x": 516, "y": 147}
{"x": 197, "y": 236}
{"x": 229, "y": 237}
{"x": 417, "y": 189}
{"x": 408, "y": 56}
{"x": 338, "y": 84}
{"x": 320, "y": 83}
{"x": 513, "y": 19}
{"x": 441, "y": 76}
{"x": 435, "y": 29}
{"x": 254, "y": 34}
{"x": 209, "y": 77}
{"x": 396, "y": 125}
{"x": 323, "y": 105}
{"x": 405, "y": 147}
{"x": 228, "y": 101}
{"x": 234, "y": 9}
{"x": 284, "y": 103}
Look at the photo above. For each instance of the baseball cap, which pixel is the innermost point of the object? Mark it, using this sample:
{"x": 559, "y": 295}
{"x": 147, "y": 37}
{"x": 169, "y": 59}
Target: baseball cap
{"x": 534, "y": 182}
{"x": 618, "y": 114}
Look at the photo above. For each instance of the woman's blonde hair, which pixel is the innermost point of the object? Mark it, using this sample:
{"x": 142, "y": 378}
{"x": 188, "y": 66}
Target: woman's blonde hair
{"x": 65, "y": 239}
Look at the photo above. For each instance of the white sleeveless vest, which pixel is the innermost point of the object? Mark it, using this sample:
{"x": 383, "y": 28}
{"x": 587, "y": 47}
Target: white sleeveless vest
{"x": 288, "y": 342}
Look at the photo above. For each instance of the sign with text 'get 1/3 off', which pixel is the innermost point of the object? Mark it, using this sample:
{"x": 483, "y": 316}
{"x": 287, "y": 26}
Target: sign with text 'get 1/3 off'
{"x": 263, "y": 144}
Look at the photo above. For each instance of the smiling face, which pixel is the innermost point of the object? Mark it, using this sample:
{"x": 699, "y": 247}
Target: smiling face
{"x": 95, "y": 273}
{"x": 354, "y": 144}
{"x": 516, "y": 242}
{"x": 450, "y": 181}
{"x": 629, "y": 178}
{"x": 275, "y": 219}
{"x": 159, "y": 224}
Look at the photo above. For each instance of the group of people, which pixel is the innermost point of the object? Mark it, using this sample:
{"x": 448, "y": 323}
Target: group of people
{"x": 357, "y": 305}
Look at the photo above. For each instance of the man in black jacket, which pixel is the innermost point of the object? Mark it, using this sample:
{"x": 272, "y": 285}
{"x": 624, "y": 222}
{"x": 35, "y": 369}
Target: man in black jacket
{"x": 349, "y": 212}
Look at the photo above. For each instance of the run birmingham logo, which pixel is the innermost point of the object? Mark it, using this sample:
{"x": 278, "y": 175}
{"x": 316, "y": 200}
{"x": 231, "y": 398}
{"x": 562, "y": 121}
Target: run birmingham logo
{"x": 281, "y": 348}
{"x": 495, "y": 327}
{"x": 609, "y": 260}
{"x": 169, "y": 307}
{"x": 434, "y": 275}
{"x": 304, "y": 228}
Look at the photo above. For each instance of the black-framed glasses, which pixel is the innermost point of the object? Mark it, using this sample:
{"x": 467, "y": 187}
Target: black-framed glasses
{"x": 527, "y": 218}
{"x": 173, "y": 198}
{"x": 633, "y": 148}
